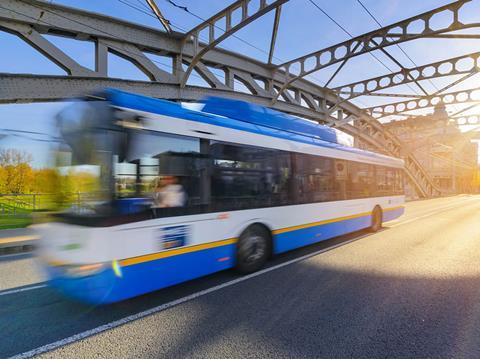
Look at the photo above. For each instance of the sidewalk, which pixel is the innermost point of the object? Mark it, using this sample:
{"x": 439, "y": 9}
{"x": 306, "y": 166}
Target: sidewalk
{"x": 16, "y": 240}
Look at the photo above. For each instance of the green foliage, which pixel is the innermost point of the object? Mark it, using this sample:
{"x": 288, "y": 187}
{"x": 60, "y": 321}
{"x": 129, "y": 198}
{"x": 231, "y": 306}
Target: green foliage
{"x": 9, "y": 222}
{"x": 16, "y": 175}
{"x": 18, "y": 178}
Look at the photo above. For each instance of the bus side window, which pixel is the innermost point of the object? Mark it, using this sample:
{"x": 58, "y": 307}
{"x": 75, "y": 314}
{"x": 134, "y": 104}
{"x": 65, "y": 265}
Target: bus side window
{"x": 315, "y": 177}
{"x": 361, "y": 180}
{"x": 387, "y": 181}
{"x": 249, "y": 177}
{"x": 167, "y": 169}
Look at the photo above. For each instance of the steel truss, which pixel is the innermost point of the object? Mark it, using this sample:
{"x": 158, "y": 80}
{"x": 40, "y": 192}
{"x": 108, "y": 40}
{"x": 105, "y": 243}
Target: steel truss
{"x": 423, "y": 25}
{"x": 395, "y": 108}
{"x": 31, "y": 20}
{"x": 453, "y": 66}
{"x": 473, "y": 119}
{"x": 226, "y": 14}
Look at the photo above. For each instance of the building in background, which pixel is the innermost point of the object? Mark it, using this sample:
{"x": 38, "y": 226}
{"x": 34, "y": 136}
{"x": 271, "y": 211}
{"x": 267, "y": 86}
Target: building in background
{"x": 448, "y": 155}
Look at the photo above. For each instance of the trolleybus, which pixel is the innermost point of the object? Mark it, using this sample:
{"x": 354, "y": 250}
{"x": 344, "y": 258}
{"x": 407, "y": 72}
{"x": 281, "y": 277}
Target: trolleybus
{"x": 247, "y": 183}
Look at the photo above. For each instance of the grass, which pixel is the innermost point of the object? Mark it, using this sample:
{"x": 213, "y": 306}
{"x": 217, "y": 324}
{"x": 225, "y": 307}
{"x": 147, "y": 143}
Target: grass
{"x": 17, "y": 211}
{"x": 10, "y": 222}
{"x": 27, "y": 203}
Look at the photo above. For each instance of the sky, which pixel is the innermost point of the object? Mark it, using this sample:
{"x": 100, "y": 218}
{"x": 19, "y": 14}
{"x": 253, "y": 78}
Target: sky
{"x": 303, "y": 29}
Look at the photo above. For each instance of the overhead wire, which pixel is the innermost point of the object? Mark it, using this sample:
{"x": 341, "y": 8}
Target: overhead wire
{"x": 91, "y": 27}
{"x": 351, "y": 36}
{"x": 142, "y": 3}
{"x": 149, "y": 12}
{"x": 184, "y": 8}
{"x": 172, "y": 24}
{"x": 398, "y": 45}
{"x": 113, "y": 35}
{"x": 24, "y": 134}
{"x": 152, "y": 15}
{"x": 97, "y": 29}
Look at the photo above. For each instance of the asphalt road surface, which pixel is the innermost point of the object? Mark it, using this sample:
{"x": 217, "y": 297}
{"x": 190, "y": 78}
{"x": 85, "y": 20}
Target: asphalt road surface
{"x": 411, "y": 290}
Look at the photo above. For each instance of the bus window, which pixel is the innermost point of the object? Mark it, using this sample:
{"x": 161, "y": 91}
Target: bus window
{"x": 360, "y": 180}
{"x": 249, "y": 177}
{"x": 315, "y": 179}
{"x": 398, "y": 181}
{"x": 385, "y": 180}
{"x": 166, "y": 169}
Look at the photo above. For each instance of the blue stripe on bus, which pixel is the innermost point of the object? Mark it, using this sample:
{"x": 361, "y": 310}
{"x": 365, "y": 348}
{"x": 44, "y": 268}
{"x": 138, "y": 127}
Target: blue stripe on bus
{"x": 287, "y": 241}
{"x": 168, "y": 108}
{"x": 149, "y": 276}
{"x": 106, "y": 287}
{"x": 390, "y": 215}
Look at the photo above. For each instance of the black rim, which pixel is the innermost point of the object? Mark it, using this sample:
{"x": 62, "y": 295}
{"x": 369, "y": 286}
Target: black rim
{"x": 252, "y": 248}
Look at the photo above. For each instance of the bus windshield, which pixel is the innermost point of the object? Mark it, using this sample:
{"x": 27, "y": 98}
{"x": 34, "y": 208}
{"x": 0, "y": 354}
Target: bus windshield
{"x": 84, "y": 159}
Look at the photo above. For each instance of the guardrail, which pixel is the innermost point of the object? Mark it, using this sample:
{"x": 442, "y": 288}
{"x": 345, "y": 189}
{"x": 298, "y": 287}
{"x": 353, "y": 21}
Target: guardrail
{"x": 25, "y": 203}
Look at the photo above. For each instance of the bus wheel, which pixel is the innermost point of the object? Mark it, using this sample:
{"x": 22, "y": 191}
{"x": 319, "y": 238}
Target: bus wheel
{"x": 253, "y": 249}
{"x": 376, "y": 219}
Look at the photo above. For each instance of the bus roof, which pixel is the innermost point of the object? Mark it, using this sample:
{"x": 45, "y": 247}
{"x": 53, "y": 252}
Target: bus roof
{"x": 243, "y": 116}
{"x": 263, "y": 116}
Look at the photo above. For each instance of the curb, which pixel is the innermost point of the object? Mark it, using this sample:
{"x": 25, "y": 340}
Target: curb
{"x": 17, "y": 244}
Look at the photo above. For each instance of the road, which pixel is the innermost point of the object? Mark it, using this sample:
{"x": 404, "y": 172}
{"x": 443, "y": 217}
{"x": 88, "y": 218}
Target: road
{"x": 411, "y": 290}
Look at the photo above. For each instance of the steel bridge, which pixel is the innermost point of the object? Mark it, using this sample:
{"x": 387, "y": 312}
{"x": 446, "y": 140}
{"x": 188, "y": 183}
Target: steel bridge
{"x": 284, "y": 87}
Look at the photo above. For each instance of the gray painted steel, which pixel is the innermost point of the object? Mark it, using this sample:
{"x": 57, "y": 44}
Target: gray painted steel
{"x": 31, "y": 19}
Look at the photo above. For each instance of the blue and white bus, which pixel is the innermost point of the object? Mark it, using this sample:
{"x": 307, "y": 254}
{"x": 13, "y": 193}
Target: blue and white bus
{"x": 254, "y": 183}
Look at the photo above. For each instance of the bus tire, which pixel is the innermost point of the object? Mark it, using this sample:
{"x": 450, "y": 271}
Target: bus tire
{"x": 377, "y": 219}
{"x": 253, "y": 248}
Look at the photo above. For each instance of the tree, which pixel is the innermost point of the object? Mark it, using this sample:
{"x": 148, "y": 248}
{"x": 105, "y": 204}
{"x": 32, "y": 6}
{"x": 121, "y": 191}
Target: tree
{"x": 45, "y": 180}
{"x": 16, "y": 174}
{"x": 14, "y": 157}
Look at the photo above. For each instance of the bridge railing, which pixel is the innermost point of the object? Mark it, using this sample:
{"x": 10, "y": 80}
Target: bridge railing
{"x": 23, "y": 204}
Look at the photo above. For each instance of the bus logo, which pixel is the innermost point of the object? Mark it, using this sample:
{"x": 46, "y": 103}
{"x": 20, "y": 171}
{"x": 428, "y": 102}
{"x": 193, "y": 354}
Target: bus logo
{"x": 174, "y": 236}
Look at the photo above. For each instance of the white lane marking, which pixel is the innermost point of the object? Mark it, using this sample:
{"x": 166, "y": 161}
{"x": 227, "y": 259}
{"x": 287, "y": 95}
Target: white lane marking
{"x": 24, "y": 289}
{"x": 440, "y": 210}
{"x": 7, "y": 257}
{"x": 134, "y": 317}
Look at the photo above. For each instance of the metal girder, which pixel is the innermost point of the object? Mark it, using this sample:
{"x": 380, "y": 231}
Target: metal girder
{"x": 468, "y": 108}
{"x": 276, "y": 22}
{"x": 448, "y": 67}
{"x": 440, "y": 36}
{"x": 18, "y": 88}
{"x": 304, "y": 98}
{"x": 467, "y": 119}
{"x": 380, "y": 94}
{"x": 344, "y": 62}
{"x": 118, "y": 35}
{"x": 403, "y": 68}
{"x": 464, "y": 96}
{"x": 138, "y": 58}
{"x": 45, "y": 47}
{"x": 378, "y": 39}
{"x": 210, "y": 24}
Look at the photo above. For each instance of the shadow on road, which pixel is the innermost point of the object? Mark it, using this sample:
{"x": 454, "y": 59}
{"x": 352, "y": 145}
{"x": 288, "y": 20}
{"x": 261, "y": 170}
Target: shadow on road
{"x": 303, "y": 309}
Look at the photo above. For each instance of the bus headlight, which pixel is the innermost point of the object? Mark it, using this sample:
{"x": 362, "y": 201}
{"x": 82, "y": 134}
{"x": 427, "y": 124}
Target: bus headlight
{"x": 83, "y": 270}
